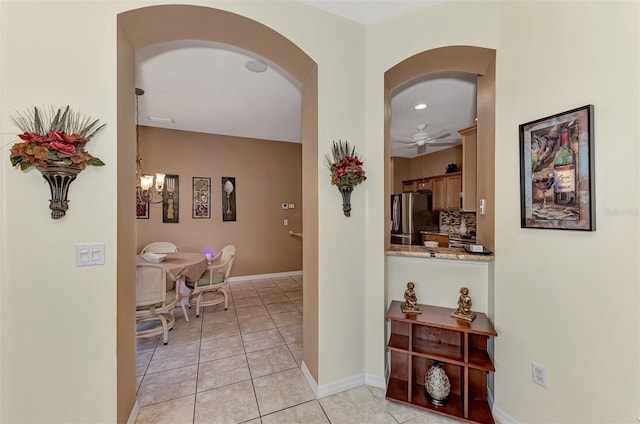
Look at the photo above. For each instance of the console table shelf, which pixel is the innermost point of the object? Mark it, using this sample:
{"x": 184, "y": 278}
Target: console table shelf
{"x": 461, "y": 346}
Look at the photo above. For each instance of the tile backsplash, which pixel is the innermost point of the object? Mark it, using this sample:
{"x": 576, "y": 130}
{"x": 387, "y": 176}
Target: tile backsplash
{"x": 450, "y": 221}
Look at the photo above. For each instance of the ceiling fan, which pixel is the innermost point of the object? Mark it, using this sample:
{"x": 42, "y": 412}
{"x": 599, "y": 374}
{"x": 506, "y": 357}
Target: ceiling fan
{"x": 422, "y": 140}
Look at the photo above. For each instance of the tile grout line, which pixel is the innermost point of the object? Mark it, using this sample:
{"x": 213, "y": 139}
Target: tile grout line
{"x": 195, "y": 392}
{"x": 253, "y": 386}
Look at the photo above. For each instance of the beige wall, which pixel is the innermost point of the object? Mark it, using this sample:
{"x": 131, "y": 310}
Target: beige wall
{"x": 126, "y": 227}
{"x": 558, "y": 295}
{"x": 268, "y": 173}
{"x": 562, "y": 275}
{"x": 567, "y": 300}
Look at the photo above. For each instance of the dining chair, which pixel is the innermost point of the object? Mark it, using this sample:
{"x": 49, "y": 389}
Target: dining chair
{"x": 160, "y": 247}
{"x": 154, "y": 302}
{"x": 213, "y": 281}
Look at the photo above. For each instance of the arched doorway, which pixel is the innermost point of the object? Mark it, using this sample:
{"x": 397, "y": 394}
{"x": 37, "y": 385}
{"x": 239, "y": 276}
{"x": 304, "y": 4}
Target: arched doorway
{"x": 476, "y": 60}
{"x": 145, "y": 26}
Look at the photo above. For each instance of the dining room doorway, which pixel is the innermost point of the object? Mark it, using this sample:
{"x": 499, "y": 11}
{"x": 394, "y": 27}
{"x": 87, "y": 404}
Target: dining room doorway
{"x": 145, "y": 26}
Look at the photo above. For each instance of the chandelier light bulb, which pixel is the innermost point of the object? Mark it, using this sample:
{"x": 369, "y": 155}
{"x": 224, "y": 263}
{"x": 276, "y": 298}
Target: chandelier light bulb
{"x": 159, "y": 181}
{"x": 146, "y": 181}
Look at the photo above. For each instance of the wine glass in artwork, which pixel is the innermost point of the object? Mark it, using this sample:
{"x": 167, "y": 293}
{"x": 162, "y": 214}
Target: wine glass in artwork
{"x": 543, "y": 181}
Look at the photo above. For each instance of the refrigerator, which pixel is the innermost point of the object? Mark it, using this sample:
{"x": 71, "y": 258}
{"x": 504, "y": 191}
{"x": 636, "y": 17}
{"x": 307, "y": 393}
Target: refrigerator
{"x": 410, "y": 214}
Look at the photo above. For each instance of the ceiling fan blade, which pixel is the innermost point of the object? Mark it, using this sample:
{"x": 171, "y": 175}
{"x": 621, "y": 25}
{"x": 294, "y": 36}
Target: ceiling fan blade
{"x": 399, "y": 137}
{"x": 402, "y": 141}
{"x": 445, "y": 140}
{"x": 443, "y": 133}
{"x": 442, "y": 136}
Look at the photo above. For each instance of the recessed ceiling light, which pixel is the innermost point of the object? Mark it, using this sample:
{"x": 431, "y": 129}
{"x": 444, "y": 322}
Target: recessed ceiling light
{"x": 420, "y": 106}
{"x": 255, "y": 66}
{"x": 161, "y": 120}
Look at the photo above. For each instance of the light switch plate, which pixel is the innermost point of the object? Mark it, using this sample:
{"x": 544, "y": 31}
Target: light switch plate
{"x": 292, "y": 206}
{"x": 88, "y": 254}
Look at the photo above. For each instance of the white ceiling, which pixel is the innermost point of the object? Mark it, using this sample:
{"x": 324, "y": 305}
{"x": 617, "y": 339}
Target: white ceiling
{"x": 204, "y": 87}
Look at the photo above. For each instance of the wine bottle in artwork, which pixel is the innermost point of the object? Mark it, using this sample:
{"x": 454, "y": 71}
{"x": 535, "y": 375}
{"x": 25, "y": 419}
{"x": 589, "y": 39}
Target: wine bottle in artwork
{"x": 564, "y": 168}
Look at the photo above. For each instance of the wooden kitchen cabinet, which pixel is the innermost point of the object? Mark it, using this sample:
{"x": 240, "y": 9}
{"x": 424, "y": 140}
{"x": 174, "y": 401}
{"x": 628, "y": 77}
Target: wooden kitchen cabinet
{"x": 469, "y": 168}
{"x": 416, "y": 340}
{"x": 453, "y": 187}
{"x": 424, "y": 185}
{"x": 416, "y": 185}
{"x": 446, "y": 192}
{"x": 409, "y": 186}
{"x": 442, "y": 239}
{"x": 439, "y": 194}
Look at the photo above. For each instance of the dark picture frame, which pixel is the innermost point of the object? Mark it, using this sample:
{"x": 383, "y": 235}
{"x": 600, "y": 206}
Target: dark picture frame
{"x": 142, "y": 210}
{"x": 201, "y": 204}
{"x": 171, "y": 199}
{"x": 557, "y": 178}
{"x": 228, "y": 198}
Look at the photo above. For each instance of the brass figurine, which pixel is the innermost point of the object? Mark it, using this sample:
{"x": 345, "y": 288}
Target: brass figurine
{"x": 464, "y": 306}
{"x": 410, "y": 305}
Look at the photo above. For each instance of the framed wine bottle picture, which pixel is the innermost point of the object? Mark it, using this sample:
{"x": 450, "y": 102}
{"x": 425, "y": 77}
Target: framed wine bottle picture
{"x": 557, "y": 182}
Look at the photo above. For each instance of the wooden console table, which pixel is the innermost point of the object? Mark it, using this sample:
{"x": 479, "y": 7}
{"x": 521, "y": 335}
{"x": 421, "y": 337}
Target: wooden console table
{"x": 461, "y": 346}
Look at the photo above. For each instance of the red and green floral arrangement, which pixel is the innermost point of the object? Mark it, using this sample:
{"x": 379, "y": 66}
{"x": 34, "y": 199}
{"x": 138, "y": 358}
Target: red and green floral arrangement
{"x": 346, "y": 168}
{"x": 54, "y": 137}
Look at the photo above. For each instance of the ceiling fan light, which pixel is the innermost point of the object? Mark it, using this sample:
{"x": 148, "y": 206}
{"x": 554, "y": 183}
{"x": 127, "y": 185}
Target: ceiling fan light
{"x": 420, "y": 106}
{"x": 255, "y": 66}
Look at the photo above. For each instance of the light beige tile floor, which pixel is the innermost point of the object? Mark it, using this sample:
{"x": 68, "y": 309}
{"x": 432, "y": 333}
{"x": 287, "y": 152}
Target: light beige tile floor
{"x": 243, "y": 366}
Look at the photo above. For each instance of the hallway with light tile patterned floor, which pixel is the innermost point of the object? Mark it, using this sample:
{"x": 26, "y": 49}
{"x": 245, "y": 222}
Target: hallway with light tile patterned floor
{"x": 243, "y": 366}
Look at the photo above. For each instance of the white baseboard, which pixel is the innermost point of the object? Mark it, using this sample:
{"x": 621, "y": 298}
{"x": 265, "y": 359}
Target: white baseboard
{"x": 310, "y": 380}
{"x": 261, "y": 276}
{"x": 340, "y": 385}
{"x": 375, "y": 381}
{"x": 133, "y": 416}
{"x": 502, "y": 417}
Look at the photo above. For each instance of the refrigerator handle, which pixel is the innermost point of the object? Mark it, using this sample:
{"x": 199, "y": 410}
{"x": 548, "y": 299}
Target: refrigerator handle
{"x": 396, "y": 214}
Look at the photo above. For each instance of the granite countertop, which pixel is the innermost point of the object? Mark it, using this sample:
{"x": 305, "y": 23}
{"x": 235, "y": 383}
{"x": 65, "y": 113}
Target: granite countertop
{"x": 438, "y": 233}
{"x": 436, "y": 252}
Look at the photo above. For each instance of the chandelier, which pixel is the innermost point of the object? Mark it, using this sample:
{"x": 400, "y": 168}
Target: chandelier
{"x": 148, "y": 187}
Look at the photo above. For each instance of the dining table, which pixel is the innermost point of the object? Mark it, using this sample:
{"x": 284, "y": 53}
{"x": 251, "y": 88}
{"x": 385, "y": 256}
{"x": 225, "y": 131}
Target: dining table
{"x": 181, "y": 267}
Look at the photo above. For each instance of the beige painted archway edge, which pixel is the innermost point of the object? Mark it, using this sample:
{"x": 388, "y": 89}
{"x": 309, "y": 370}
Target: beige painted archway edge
{"x": 477, "y": 60}
{"x": 156, "y": 24}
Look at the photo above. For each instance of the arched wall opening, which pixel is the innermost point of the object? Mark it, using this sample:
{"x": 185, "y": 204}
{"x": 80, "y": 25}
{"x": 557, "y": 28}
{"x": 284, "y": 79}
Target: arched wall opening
{"x": 145, "y": 26}
{"x": 477, "y": 60}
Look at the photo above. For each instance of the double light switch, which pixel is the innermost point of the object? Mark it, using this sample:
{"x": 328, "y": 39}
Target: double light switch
{"x": 88, "y": 254}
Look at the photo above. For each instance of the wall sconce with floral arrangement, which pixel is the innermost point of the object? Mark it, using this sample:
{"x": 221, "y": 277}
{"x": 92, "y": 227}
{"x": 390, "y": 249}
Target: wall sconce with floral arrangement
{"x": 53, "y": 140}
{"x": 346, "y": 171}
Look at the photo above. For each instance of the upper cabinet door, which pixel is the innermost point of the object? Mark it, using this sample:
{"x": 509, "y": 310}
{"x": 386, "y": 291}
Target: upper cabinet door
{"x": 453, "y": 186}
{"x": 469, "y": 168}
{"x": 439, "y": 193}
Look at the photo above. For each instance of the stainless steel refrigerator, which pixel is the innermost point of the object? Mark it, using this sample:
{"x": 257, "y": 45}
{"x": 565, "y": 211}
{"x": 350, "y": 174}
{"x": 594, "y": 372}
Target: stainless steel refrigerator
{"x": 410, "y": 214}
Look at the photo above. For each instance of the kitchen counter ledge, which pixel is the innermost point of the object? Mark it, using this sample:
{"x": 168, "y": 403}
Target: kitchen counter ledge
{"x": 436, "y": 252}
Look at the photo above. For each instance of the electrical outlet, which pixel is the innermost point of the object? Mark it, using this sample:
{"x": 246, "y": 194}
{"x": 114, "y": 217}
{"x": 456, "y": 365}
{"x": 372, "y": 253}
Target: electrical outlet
{"x": 539, "y": 374}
